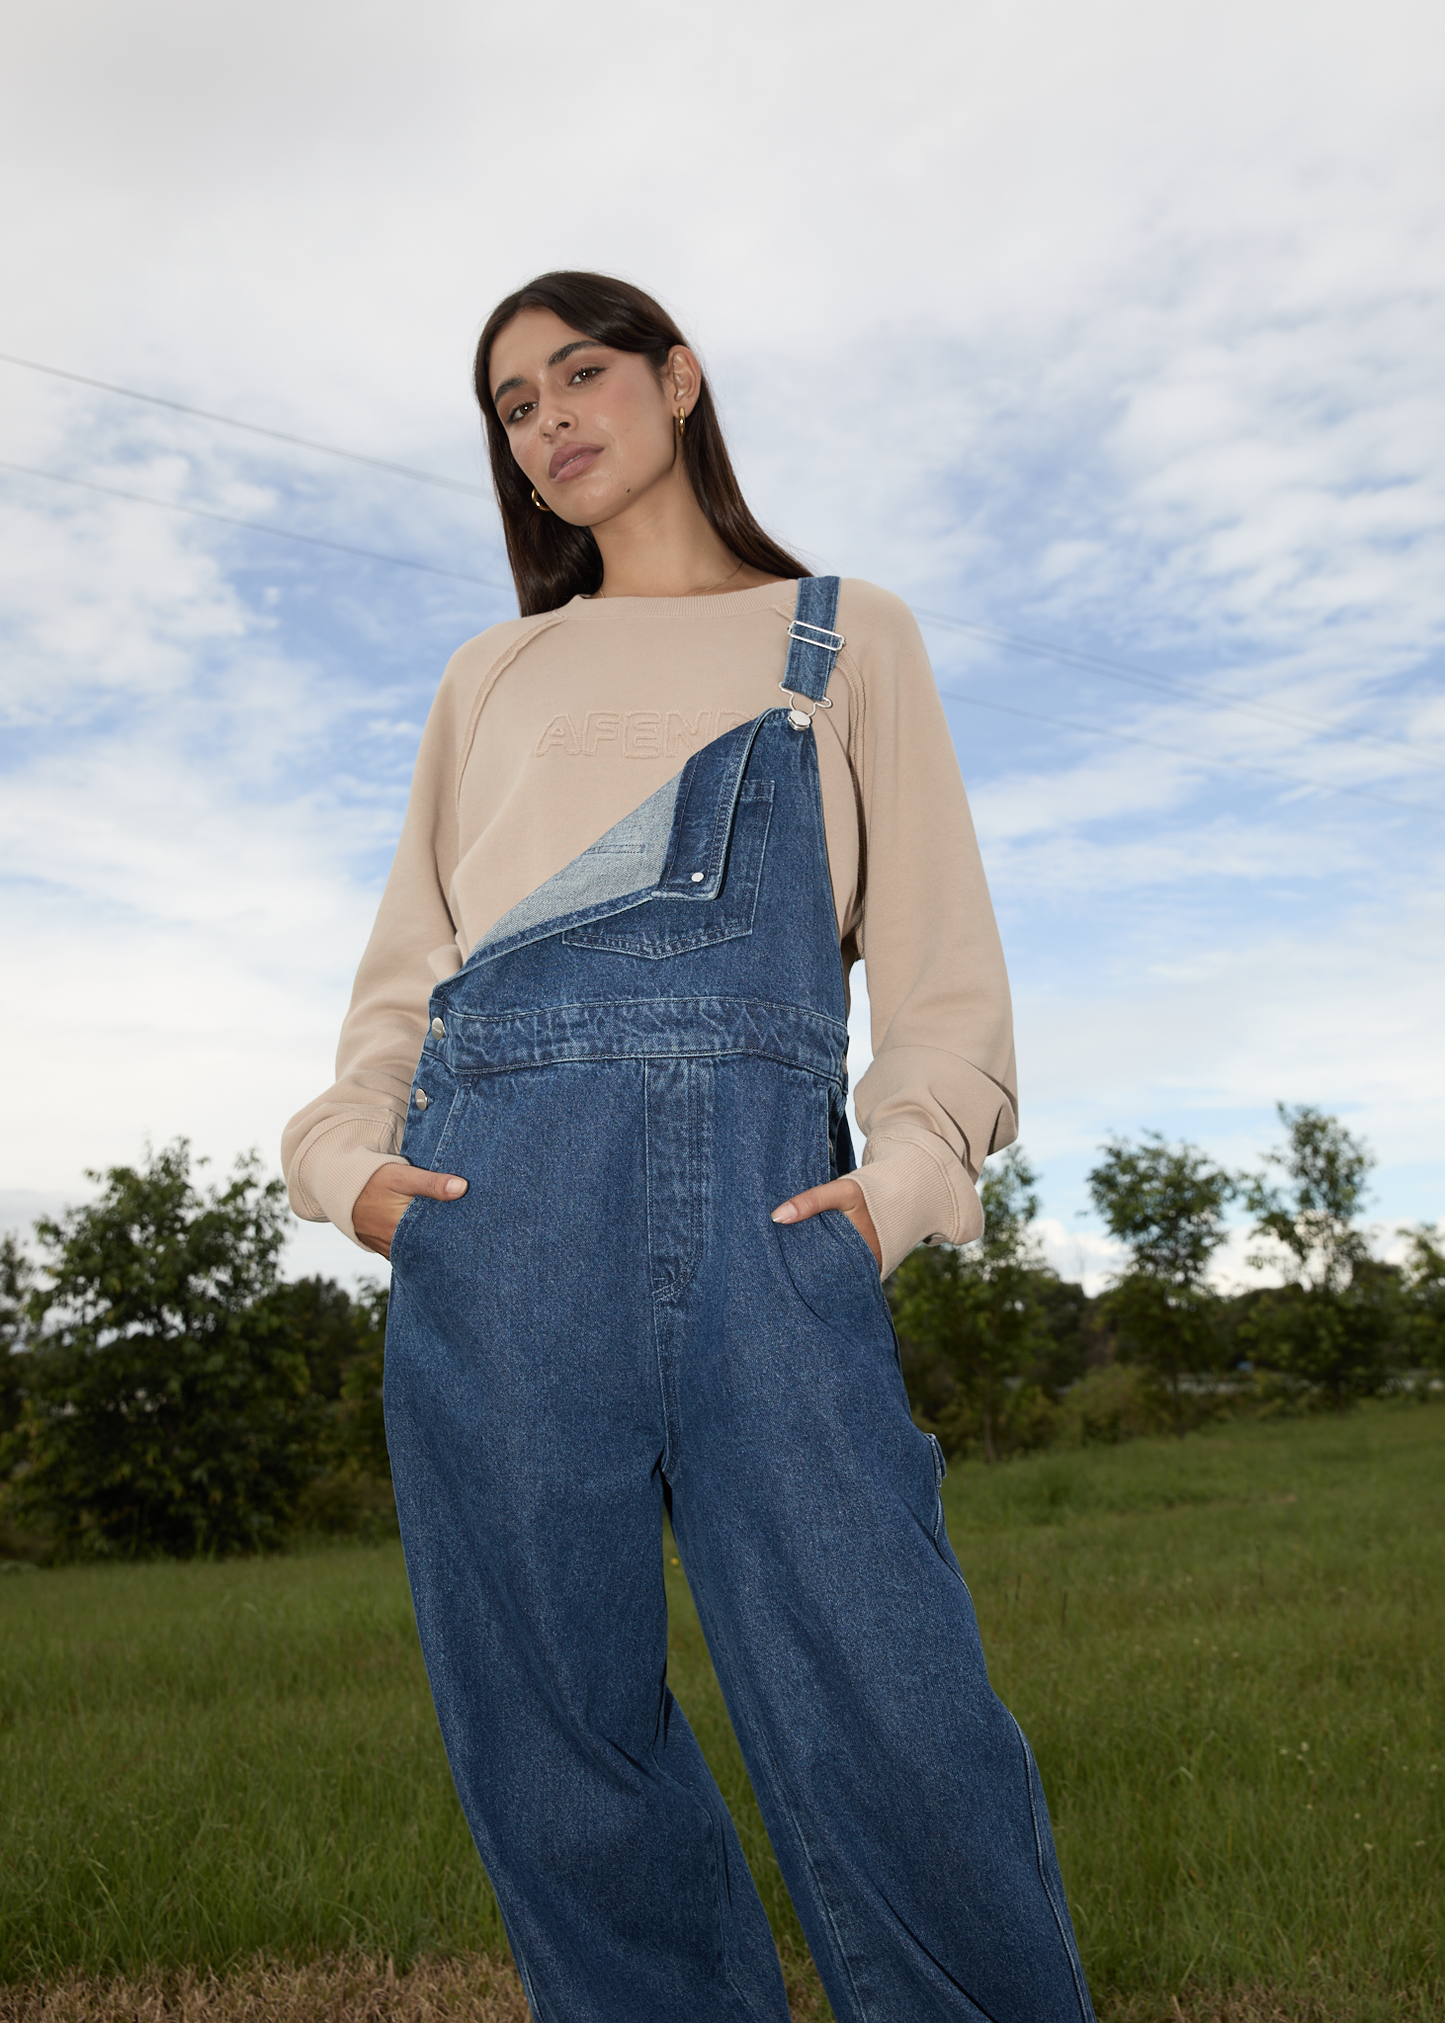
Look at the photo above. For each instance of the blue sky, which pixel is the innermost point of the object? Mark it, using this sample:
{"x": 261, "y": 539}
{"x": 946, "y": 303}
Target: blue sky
{"x": 1115, "y": 329}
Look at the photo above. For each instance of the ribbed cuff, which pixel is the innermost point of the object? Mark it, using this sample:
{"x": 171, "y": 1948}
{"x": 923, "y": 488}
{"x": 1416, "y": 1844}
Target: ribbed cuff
{"x": 334, "y": 1168}
{"x": 916, "y": 1196}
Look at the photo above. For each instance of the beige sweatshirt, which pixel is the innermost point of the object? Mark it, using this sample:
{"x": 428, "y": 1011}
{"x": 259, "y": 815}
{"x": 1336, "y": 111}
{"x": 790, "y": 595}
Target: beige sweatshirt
{"x": 548, "y": 730}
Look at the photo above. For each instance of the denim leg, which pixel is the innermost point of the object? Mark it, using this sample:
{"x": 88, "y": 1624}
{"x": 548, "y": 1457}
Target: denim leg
{"x": 525, "y": 1425}
{"x": 899, "y": 1792}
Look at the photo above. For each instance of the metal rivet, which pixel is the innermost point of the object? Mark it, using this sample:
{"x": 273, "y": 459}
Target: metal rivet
{"x": 439, "y": 1029}
{"x": 697, "y": 877}
{"x": 421, "y": 1099}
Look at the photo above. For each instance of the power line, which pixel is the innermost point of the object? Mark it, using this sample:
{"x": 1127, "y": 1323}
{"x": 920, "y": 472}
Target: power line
{"x": 252, "y": 428}
{"x": 253, "y": 526}
{"x": 1197, "y": 758}
{"x": 1119, "y": 670}
{"x": 462, "y": 576}
{"x": 1012, "y": 642}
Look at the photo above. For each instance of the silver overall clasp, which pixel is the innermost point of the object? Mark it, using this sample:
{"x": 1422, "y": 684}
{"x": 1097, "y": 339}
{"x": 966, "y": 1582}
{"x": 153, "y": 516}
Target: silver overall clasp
{"x": 800, "y": 719}
{"x": 827, "y": 642}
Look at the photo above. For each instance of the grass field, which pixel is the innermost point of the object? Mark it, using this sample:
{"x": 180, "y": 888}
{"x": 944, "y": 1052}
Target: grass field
{"x": 1228, "y": 1652}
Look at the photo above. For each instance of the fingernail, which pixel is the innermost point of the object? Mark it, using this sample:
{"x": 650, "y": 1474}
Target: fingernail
{"x": 787, "y": 1213}
{"x": 455, "y": 1187}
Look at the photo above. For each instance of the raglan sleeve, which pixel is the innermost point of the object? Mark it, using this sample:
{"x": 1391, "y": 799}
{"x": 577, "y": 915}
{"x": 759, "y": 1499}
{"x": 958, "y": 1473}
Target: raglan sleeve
{"x": 941, "y": 1091}
{"x": 331, "y": 1148}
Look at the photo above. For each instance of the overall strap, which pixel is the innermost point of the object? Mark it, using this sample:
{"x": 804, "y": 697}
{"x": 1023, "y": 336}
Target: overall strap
{"x": 813, "y": 646}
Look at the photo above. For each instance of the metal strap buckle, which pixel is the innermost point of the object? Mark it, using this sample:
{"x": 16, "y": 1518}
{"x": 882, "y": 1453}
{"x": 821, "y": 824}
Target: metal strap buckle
{"x": 830, "y": 642}
{"x": 825, "y": 641}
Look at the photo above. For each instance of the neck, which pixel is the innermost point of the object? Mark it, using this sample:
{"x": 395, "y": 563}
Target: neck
{"x": 662, "y": 545}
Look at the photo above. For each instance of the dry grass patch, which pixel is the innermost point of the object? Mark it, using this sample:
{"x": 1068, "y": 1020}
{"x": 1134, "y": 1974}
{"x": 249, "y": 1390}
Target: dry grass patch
{"x": 478, "y": 1988}
{"x": 353, "y": 1989}
{"x": 347, "y": 1990}
{"x": 1276, "y": 2005}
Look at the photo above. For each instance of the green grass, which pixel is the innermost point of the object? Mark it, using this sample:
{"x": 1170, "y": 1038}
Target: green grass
{"x": 1228, "y": 1652}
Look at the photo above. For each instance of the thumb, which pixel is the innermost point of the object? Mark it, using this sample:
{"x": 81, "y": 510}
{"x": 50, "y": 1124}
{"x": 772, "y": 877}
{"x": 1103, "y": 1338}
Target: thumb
{"x": 844, "y": 1194}
{"x": 417, "y": 1180}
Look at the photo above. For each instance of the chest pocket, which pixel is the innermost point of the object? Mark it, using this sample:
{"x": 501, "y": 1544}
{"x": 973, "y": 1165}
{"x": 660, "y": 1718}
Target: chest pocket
{"x": 670, "y": 921}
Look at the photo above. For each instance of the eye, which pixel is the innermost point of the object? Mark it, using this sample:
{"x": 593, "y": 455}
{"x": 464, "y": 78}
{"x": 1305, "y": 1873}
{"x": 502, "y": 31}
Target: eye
{"x": 585, "y": 372}
{"x": 516, "y": 413}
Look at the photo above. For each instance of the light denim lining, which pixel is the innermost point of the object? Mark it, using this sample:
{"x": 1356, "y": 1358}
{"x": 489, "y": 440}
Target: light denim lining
{"x": 628, "y": 858}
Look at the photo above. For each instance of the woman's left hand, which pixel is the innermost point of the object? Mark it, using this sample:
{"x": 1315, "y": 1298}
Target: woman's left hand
{"x": 845, "y": 1194}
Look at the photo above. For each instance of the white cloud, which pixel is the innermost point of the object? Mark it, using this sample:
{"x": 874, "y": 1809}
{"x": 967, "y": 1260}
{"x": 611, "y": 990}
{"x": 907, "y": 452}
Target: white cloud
{"x": 1079, "y": 1254}
{"x": 1346, "y": 1019}
{"x": 1120, "y": 326}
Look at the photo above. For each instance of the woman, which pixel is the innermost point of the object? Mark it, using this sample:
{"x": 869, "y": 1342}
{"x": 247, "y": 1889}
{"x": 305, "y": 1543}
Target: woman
{"x": 632, "y": 1265}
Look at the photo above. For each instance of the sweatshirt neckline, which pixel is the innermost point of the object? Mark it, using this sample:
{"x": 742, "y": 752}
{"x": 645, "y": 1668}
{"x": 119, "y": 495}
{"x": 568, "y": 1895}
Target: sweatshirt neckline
{"x": 762, "y": 597}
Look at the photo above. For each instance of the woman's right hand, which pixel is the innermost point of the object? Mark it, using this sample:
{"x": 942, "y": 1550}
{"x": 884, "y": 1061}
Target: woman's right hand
{"x": 383, "y": 1201}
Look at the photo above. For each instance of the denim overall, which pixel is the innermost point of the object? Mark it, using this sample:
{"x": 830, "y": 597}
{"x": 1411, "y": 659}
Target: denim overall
{"x": 633, "y": 1068}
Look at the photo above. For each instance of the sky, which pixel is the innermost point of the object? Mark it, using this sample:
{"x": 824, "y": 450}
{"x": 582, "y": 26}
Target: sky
{"x": 1108, "y": 336}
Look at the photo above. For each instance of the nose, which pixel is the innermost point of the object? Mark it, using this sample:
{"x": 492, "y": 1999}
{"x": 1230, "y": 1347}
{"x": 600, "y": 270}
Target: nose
{"x": 554, "y": 418}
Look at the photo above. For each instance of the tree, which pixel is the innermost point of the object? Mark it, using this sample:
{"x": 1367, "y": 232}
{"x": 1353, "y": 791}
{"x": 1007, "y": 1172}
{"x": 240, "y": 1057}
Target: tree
{"x": 1166, "y": 1202}
{"x": 168, "y": 1406}
{"x": 328, "y": 1324}
{"x": 1335, "y": 1319}
{"x": 1423, "y": 1290}
{"x": 974, "y": 1317}
{"x": 16, "y": 1274}
{"x": 342, "y": 1337}
{"x": 364, "y": 1427}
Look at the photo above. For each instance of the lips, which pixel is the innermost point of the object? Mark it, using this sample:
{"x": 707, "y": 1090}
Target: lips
{"x": 572, "y": 459}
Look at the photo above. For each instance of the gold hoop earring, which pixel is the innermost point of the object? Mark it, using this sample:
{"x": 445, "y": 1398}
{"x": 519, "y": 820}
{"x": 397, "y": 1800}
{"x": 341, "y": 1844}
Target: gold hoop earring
{"x": 540, "y": 504}
{"x": 682, "y": 421}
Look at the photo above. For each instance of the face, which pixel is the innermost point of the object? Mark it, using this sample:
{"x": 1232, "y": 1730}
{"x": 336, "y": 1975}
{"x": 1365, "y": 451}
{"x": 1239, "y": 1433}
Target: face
{"x": 592, "y": 428}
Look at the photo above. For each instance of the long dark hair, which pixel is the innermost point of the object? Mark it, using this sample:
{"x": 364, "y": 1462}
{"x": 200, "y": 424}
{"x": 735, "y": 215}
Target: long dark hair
{"x": 552, "y": 561}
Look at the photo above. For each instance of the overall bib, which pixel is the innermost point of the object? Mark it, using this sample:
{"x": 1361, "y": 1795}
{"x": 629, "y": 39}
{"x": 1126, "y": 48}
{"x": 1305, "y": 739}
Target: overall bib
{"x": 633, "y": 1068}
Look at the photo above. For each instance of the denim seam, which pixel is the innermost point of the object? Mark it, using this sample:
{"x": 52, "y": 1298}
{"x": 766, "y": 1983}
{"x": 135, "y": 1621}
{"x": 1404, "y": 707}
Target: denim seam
{"x": 602, "y": 1004}
{"x": 670, "y": 1295}
{"x": 732, "y": 1052}
{"x": 1070, "y": 1951}
{"x": 667, "y": 1463}
{"x": 728, "y": 1949}
{"x": 650, "y": 1027}
{"x": 671, "y": 1461}
{"x": 697, "y": 1168}
{"x": 527, "y": 1988}
{"x": 715, "y": 1846}
{"x": 761, "y": 1746}
{"x": 707, "y": 934}
{"x": 820, "y": 838}
{"x": 946, "y": 1553}
{"x": 940, "y": 1469}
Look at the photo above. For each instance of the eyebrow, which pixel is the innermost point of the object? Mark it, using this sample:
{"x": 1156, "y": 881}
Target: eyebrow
{"x": 557, "y": 358}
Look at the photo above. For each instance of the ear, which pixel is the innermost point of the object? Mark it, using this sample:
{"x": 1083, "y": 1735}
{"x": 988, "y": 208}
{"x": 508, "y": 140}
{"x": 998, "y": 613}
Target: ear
{"x": 682, "y": 376}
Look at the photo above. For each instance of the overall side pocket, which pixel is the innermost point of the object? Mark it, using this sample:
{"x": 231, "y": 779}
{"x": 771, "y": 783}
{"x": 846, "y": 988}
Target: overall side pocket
{"x": 430, "y": 1125}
